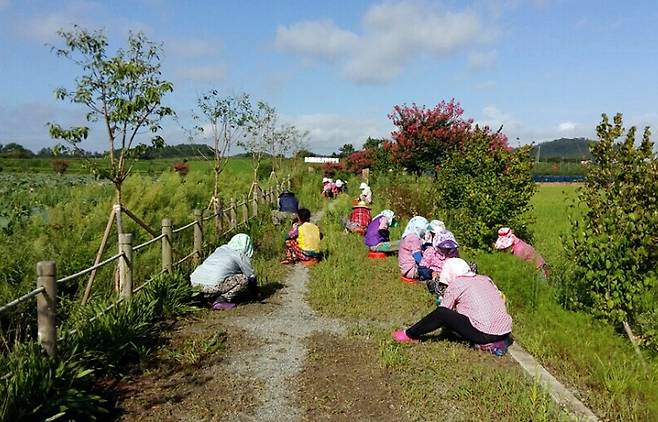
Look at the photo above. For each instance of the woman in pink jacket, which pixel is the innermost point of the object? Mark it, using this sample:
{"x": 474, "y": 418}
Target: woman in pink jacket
{"x": 472, "y": 306}
{"x": 508, "y": 242}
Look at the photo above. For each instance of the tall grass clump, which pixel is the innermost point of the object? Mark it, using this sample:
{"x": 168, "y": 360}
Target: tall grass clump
{"x": 41, "y": 388}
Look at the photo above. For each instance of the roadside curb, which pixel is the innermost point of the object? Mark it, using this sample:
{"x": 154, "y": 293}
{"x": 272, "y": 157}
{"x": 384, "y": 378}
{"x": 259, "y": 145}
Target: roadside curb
{"x": 560, "y": 394}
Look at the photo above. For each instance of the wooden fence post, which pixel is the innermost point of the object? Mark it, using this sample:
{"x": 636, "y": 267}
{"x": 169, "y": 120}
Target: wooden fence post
{"x": 47, "y": 307}
{"x": 272, "y": 195}
{"x": 254, "y": 204}
{"x": 167, "y": 245}
{"x": 288, "y": 182}
{"x": 198, "y": 234}
{"x": 233, "y": 215}
{"x": 126, "y": 265}
{"x": 245, "y": 210}
{"x": 219, "y": 212}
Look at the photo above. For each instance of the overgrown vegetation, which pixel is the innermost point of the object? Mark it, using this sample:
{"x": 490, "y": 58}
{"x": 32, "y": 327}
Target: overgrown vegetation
{"x": 38, "y": 387}
{"x": 614, "y": 247}
{"x": 482, "y": 187}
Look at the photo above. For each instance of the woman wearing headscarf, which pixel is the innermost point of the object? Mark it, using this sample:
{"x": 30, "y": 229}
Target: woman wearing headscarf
{"x": 328, "y": 187}
{"x": 444, "y": 246}
{"x": 508, "y": 242}
{"x": 472, "y": 306}
{"x": 434, "y": 227}
{"x": 366, "y": 193}
{"x": 377, "y": 236}
{"x": 360, "y": 218}
{"x": 226, "y": 276}
{"x": 411, "y": 246}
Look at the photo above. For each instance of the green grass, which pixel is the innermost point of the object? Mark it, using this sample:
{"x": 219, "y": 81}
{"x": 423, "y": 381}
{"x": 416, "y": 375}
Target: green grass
{"x": 440, "y": 379}
{"x": 584, "y": 353}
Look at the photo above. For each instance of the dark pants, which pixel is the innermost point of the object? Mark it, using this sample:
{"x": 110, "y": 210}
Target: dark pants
{"x": 444, "y": 317}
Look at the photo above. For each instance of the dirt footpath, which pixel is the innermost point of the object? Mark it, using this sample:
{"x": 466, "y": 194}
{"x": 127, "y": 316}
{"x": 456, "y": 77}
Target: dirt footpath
{"x": 278, "y": 361}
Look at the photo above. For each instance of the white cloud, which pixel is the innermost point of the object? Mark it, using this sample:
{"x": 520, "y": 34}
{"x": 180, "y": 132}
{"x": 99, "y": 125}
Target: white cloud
{"x": 482, "y": 59}
{"x": 393, "y": 34}
{"x": 566, "y": 126}
{"x": 494, "y": 118}
{"x": 328, "y": 132}
{"x": 202, "y": 73}
{"x": 315, "y": 39}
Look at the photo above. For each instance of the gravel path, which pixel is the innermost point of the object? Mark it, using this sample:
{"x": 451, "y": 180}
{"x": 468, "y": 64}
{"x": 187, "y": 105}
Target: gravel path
{"x": 283, "y": 333}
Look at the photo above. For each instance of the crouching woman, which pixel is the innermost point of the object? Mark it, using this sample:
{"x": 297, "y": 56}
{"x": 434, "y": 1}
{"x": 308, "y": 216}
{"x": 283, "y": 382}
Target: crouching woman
{"x": 472, "y": 307}
{"x": 303, "y": 240}
{"x": 226, "y": 276}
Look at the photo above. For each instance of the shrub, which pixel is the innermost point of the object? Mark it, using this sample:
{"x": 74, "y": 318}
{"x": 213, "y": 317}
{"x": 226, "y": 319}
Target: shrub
{"x": 59, "y": 166}
{"x": 333, "y": 169}
{"x": 357, "y": 161}
{"x": 484, "y": 186}
{"x": 614, "y": 247}
{"x": 182, "y": 167}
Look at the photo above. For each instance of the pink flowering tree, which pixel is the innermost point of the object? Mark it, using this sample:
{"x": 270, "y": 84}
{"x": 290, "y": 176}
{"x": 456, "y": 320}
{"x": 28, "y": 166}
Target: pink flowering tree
{"x": 424, "y": 137}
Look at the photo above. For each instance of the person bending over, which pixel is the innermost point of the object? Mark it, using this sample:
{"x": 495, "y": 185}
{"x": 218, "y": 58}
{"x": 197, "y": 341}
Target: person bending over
{"x": 444, "y": 246}
{"x": 226, "y": 276}
{"x": 508, "y": 242}
{"x": 377, "y": 236}
{"x": 359, "y": 218}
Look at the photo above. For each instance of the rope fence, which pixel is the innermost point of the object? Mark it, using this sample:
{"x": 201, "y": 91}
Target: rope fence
{"x": 90, "y": 269}
{"x": 46, "y": 291}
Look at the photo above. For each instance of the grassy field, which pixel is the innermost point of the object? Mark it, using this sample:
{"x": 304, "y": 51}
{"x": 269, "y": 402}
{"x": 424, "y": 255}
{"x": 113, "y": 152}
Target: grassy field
{"x": 440, "y": 379}
{"x": 440, "y": 376}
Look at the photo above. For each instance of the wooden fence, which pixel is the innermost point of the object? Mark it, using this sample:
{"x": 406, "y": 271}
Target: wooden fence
{"x": 227, "y": 219}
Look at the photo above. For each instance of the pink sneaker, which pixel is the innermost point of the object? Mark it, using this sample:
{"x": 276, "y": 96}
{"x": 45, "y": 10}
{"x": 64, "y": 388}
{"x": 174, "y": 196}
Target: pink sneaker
{"x": 401, "y": 336}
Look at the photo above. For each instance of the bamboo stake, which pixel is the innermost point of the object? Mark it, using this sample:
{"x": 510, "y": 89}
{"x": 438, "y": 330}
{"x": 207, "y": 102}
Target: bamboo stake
{"x": 99, "y": 254}
{"x": 139, "y": 221}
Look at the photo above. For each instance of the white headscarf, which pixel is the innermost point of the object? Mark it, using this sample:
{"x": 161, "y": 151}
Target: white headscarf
{"x": 326, "y": 180}
{"x": 506, "y": 238}
{"x": 242, "y": 243}
{"x": 417, "y": 225}
{"x": 453, "y": 268}
{"x": 388, "y": 214}
{"x": 363, "y": 186}
{"x": 339, "y": 183}
{"x": 436, "y": 226}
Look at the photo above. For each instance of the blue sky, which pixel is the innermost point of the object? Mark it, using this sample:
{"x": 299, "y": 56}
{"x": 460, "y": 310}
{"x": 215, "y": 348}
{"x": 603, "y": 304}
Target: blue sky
{"x": 542, "y": 69}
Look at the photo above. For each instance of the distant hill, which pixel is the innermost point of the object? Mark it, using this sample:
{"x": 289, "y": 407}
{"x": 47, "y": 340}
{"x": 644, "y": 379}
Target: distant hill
{"x": 563, "y": 149}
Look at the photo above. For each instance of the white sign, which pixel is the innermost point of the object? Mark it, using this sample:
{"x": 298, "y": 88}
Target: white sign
{"x": 319, "y": 160}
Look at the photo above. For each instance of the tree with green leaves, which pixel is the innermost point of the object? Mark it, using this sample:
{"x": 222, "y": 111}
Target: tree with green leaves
{"x": 220, "y": 122}
{"x": 346, "y": 150}
{"x": 286, "y": 139}
{"x": 261, "y": 136}
{"x": 484, "y": 185}
{"x": 121, "y": 91}
{"x": 614, "y": 245}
